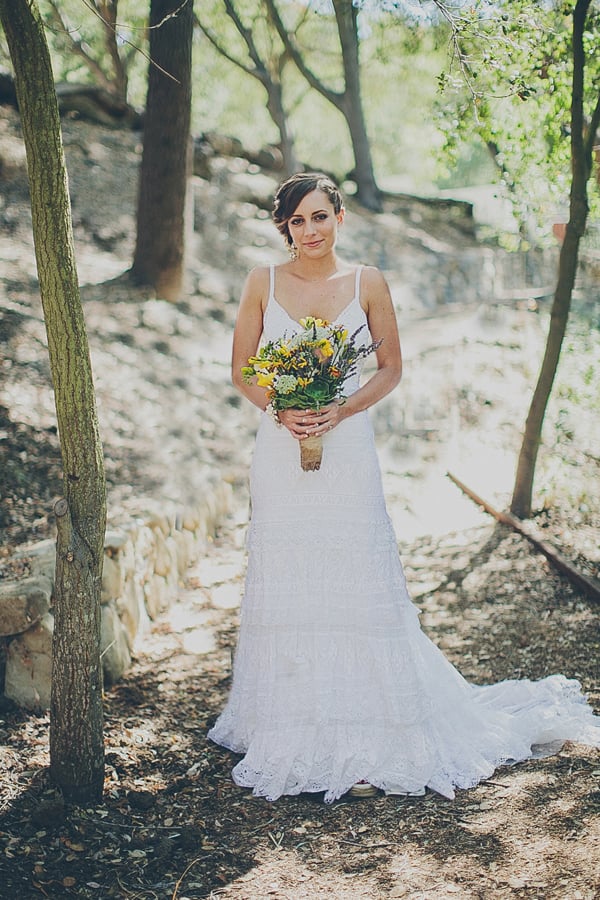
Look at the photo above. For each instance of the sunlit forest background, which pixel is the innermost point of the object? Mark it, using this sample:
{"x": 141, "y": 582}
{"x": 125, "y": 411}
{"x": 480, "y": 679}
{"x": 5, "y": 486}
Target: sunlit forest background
{"x": 450, "y": 133}
{"x": 421, "y": 104}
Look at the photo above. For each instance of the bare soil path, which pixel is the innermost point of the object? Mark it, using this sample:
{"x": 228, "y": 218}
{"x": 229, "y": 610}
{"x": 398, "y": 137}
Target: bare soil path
{"x": 173, "y": 825}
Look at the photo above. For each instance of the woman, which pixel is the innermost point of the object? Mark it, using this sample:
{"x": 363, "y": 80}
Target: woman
{"x": 335, "y": 687}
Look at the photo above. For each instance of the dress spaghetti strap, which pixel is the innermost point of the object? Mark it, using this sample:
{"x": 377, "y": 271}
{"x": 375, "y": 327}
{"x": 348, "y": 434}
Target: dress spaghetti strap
{"x": 271, "y": 283}
{"x": 357, "y": 282}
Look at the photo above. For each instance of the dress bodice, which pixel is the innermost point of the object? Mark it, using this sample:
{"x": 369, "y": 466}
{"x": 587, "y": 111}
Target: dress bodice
{"x": 277, "y": 322}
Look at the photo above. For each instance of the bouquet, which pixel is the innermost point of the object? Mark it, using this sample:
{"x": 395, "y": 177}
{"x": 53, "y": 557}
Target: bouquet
{"x": 307, "y": 370}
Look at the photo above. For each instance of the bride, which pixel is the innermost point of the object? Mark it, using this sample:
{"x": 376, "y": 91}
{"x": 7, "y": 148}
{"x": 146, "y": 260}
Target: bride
{"x": 335, "y": 686}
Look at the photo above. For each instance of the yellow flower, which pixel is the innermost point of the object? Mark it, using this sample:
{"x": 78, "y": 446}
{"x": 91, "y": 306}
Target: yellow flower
{"x": 323, "y": 350}
{"x": 311, "y": 322}
{"x": 265, "y": 379}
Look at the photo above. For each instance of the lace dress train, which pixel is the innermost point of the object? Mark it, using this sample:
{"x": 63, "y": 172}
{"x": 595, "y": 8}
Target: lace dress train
{"x": 334, "y": 681}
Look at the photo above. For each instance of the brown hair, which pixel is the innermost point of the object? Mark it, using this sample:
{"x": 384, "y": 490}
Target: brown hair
{"x": 292, "y": 191}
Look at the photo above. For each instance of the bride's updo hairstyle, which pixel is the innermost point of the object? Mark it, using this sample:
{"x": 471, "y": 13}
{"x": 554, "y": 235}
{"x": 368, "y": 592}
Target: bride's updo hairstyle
{"x": 291, "y": 193}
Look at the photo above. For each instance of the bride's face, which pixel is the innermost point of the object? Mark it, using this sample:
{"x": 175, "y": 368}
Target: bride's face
{"x": 314, "y": 224}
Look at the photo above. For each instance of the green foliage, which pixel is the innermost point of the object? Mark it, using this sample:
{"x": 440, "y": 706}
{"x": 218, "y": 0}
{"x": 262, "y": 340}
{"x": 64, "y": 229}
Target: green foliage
{"x": 84, "y": 28}
{"x": 513, "y": 93}
{"x": 570, "y": 431}
{"x": 224, "y": 99}
{"x": 400, "y": 63}
{"x": 320, "y": 132}
{"x": 499, "y": 112}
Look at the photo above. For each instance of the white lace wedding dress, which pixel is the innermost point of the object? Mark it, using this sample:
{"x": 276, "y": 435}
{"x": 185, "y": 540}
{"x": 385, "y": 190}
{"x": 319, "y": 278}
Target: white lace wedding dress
{"x": 334, "y": 681}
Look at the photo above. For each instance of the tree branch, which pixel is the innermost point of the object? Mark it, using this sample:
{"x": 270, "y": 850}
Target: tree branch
{"x": 246, "y": 34}
{"x": 90, "y": 5}
{"x": 221, "y": 49}
{"x": 589, "y": 586}
{"x": 108, "y": 11}
{"x": 78, "y": 47}
{"x": 577, "y": 122}
{"x": 458, "y": 53}
{"x": 295, "y": 54}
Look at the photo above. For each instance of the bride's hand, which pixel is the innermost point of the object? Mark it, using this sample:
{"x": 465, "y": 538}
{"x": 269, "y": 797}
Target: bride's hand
{"x": 327, "y": 418}
{"x": 303, "y": 423}
{"x": 296, "y": 421}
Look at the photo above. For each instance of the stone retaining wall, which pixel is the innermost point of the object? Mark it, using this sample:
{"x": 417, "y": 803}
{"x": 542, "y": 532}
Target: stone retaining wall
{"x": 144, "y": 563}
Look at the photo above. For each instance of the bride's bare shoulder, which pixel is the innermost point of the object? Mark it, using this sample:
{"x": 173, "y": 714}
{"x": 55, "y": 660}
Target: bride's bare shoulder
{"x": 257, "y": 282}
{"x": 372, "y": 277}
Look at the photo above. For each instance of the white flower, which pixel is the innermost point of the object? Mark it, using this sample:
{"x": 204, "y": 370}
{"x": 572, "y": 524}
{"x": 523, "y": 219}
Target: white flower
{"x": 316, "y": 334}
{"x": 323, "y": 334}
{"x": 285, "y": 384}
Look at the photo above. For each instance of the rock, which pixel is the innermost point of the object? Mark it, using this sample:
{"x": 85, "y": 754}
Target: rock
{"x": 29, "y": 666}
{"x": 184, "y": 552}
{"x": 114, "y": 645}
{"x": 142, "y": 570}
{"x": 115, "y": 540}
{"x": 41, "y": 556}
{"x": 127, "y": 560}
{"x": 141, "y": 800}
{"x": 128, "y": 608}
{"x": 96, "y": 105}
{"x": 156, "y": 596}
{"x": 23, "y": 603}
{"x": 190, "y": 520}
{"x": 144, "y": 551}
{"x": 173, "y": 551}
{"x": 112, "y": 578}
{"x": 137, "y": 591}
{"x": 160, "y": 316}
{"x": 163, "y": 561}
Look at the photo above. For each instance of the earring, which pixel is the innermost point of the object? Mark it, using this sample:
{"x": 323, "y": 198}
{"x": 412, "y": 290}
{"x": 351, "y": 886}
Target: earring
{"x": 293, "y": 251}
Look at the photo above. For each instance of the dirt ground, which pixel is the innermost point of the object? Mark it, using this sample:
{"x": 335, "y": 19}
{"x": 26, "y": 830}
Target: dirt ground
{"x": 172, "y": 824}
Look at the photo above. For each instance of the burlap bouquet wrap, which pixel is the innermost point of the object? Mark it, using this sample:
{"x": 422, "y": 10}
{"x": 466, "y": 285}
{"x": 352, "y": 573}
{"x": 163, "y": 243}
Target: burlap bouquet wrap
{"x": 311, "y": 453}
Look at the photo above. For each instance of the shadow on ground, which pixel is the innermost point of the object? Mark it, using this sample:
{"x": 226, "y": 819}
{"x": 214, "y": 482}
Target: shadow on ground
{"x": 173, "y": 825}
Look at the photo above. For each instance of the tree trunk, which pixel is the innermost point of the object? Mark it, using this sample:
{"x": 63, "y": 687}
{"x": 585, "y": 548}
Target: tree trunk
{"x": 347, "y": 102}
{"x": 108, "y": 13}
{"x": 76, "y": 740}
{"x": 278, "y": 114}
{"x": 166, "y": 158}
{"x": 352, "y": 108}
{"x": 521, "y": 503}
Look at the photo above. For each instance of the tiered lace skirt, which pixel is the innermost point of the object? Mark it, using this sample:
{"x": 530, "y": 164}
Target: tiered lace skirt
{"x": 334, "y": 681}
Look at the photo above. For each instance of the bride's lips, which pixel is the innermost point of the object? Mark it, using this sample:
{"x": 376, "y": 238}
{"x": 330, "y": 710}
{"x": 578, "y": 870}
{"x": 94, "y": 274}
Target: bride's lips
{"x": 313, "y": 243}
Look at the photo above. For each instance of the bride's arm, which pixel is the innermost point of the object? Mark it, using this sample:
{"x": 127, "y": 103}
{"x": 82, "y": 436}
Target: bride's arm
{"x": 381, "y": 317}
{"x": 247, "y": 333}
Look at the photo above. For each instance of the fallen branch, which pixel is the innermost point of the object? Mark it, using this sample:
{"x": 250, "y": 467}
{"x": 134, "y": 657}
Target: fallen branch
{"x": 589, "y": 586}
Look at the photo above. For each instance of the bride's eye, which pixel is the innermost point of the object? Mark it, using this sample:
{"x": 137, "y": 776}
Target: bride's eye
{"x": 295, "y": 221}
